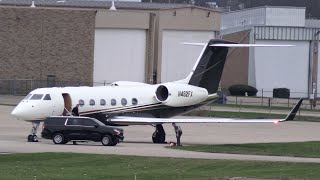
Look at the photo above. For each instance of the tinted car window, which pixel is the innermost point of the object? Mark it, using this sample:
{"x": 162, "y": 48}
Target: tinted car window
{"x": 55, "y": 121}
{"x": 88, "y": 122}
{"x": 74, "y": 122}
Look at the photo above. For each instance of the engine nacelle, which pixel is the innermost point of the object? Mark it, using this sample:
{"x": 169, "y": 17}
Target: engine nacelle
{"x": 178, "y": 95}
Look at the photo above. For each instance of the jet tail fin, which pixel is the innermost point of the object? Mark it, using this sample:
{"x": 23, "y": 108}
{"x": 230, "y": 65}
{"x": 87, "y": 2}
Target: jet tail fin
{"x": 209, "y": 66}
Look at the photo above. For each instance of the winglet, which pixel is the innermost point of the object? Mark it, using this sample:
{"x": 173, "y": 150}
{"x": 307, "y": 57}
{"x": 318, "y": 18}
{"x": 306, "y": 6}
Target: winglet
{"x": 294, "y": 111}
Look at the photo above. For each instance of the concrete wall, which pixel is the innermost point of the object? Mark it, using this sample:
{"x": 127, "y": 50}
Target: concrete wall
{"x": 195, "y": 20}
{"x": 236, "y": 67}
{"x": 39, "y": 42}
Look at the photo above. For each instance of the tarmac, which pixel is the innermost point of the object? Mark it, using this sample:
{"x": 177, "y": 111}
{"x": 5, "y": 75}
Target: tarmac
{"x": 13, "y": 135}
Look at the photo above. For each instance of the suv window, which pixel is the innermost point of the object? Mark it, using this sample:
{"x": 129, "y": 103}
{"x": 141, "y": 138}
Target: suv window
{"x": 55, "y": 121}
{"x": 74, "y": 122}
{"x": 88, "y": 122}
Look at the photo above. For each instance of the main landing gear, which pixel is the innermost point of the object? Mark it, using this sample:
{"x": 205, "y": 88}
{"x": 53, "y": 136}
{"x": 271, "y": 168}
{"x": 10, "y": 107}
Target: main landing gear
{"x": 32, "y": 136}
{"x": 159, "y": 136}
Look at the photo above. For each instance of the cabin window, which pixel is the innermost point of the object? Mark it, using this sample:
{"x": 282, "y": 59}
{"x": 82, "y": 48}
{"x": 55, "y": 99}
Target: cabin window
{"x": 134, "y": 101}
{"x": 92, "y": 102}
{"x": 103, "y": 102}
{"x": 47, "y": 97}
{"x": 36, "y": 97}
{"x": 81, "y": 102}
{"x": 113, "y": 102}
{"x": 27, "y": 97}
{"x": 123, "y": 101}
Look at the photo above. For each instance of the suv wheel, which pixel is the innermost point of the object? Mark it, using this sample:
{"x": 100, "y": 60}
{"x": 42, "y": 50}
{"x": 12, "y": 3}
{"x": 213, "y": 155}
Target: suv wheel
{"x": 106, "y": 140}
{"x": 58, "y": 138}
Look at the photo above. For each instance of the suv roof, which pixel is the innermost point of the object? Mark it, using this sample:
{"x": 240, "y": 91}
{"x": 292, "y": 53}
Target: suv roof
{"x": 60, "y": 120}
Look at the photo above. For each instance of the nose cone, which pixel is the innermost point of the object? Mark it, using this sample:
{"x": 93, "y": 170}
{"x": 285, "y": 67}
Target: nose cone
{"x": 17, "y": 112}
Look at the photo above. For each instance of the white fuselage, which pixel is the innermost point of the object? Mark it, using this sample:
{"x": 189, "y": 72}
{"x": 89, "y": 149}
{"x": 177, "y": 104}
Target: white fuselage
{"x": 103, "y": 99}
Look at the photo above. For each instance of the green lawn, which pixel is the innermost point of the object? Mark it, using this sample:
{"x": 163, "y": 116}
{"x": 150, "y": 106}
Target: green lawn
{"x": 90, "y": 166}
{"x": 297, "y": 149}
{"x": 226, "y": 114}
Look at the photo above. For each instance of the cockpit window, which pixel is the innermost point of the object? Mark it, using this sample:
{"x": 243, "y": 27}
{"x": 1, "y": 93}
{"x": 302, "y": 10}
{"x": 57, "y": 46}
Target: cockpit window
{"x": 36, "y": 97}
{"x": 27, "y": 97}
{"x": 47, "y": 97}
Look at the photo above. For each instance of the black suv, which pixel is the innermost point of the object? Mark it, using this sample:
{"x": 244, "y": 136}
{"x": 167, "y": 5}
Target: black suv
{"x": 62, "y": 129}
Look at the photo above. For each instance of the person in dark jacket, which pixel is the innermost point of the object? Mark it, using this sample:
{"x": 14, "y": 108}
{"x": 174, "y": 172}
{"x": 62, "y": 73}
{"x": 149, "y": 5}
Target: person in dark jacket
{"x": 75, "y": 110}
{"x": 178, "y": 131}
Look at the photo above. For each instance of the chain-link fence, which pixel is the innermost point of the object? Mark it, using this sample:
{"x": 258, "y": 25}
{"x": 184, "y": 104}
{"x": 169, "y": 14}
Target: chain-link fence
{"x": 266, "y": 98}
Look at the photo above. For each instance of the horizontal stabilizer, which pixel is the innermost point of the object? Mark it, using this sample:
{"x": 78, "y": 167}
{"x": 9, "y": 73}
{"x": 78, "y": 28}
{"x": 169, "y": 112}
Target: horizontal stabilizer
{"x": 249, "y": 45}
{"x": 195, "y": 44}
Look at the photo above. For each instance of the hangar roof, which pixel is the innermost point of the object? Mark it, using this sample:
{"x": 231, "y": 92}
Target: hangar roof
{"x": 99, "y": 4}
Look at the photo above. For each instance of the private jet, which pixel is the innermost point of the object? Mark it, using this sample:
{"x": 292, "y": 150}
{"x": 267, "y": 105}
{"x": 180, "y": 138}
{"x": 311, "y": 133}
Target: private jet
{"x": 133, "y": 103}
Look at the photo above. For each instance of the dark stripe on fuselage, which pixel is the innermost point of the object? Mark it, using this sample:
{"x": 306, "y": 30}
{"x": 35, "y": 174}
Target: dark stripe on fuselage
{"x": 117, "y": 109}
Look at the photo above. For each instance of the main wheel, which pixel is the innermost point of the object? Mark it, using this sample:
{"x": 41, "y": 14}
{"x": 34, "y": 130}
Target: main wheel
{"x": 30, "y": 138}
{"x": 158, "y": 138}
{"x": 58, "y": 138}
{"x": 106, "y": 140}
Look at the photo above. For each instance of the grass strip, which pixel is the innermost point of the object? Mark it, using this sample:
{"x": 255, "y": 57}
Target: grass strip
{"x": 92, "y": 166}
{"x": 293, "y": 149}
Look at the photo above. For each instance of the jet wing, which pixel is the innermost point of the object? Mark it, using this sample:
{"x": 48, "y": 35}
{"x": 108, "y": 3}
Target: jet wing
{"x": 146, "y": 120}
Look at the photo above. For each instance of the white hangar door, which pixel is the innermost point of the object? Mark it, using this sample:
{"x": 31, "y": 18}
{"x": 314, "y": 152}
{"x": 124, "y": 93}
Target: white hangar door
{"x": 178, "y": 59}
{"x": 119, "y": 54}
{"x": 282, "y": 67}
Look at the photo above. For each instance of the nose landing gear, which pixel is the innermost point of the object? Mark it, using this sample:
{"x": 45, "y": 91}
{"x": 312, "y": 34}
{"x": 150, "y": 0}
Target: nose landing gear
{"x": 32, "y": 136}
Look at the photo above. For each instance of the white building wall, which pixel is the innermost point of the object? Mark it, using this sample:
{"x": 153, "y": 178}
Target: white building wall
{"x": 119, "y": 54}
{"x": 268, "y": 16}
{"x": 178, "y": 59}
{"x": 277, "y": 16}
{"x": 285, "y": 67}
{"x": 243, "y": 18}
{"x": 318, "y": 78}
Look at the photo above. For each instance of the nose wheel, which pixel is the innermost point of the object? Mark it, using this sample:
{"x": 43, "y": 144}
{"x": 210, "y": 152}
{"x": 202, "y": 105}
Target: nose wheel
{"x": 32, "y": 136}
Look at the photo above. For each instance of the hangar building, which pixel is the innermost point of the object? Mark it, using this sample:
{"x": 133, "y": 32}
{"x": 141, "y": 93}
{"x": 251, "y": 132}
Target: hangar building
{"x": 295, "y": 68}
{"x": 86, "y": 43}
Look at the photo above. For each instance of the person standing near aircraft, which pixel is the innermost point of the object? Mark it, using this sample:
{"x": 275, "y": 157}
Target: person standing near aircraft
{"x": 75, "y": 110}
{"x": 178, "y": 131}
